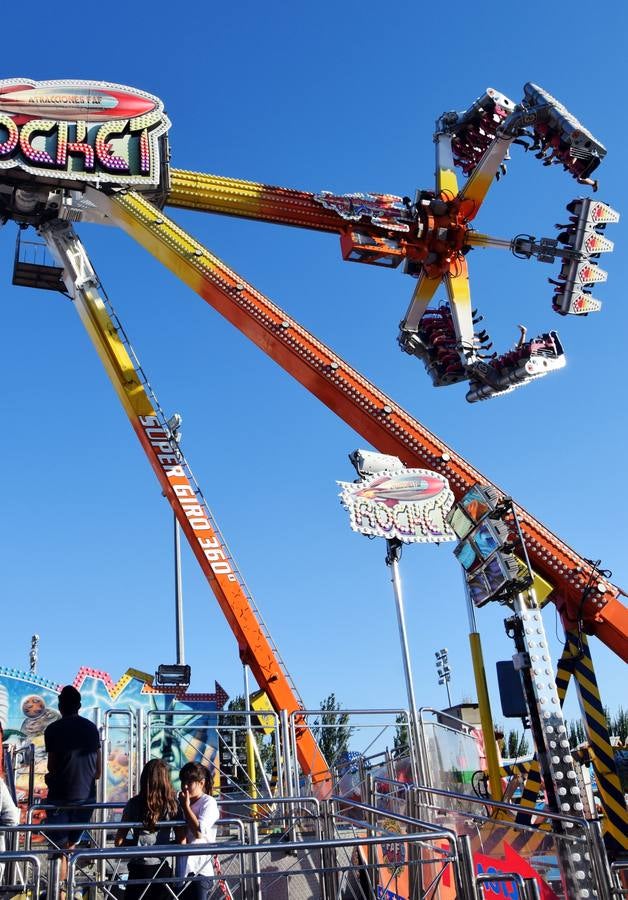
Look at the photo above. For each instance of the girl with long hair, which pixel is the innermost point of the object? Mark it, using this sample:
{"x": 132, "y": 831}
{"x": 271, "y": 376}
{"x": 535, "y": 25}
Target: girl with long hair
{"x": 156, "y": 802}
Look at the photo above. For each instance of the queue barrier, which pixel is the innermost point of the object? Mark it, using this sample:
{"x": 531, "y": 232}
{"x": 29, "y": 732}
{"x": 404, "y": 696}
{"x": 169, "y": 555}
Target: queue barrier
{"x": 344, "y": 839}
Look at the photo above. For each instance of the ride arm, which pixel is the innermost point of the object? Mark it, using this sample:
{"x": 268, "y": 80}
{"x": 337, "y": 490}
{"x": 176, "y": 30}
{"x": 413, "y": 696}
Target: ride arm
{"x": 423, "y": 292}
{"x": 183, "y": 494}
{"x": 426, "y": 286}
{"x": 459, "y": 296}
{"x": 476, "y": 188}
{"x": 250, "y": 200}
{"x": 446, "y": 178}
{"x": 359, "y": 403}
{"x": 478, "y": 145}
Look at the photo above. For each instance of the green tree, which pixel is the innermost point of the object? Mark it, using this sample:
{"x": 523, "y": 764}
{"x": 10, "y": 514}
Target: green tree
{"x": 575, "y": 733}
{"x": 331, "y": 730}
{"x": 618, "y": 724}
{"x": 400, "y": 739}
{"x": 515, "y": 745}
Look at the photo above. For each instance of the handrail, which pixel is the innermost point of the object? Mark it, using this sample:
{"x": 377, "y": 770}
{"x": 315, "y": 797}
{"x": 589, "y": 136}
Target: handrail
{"x": 108, "y": 727}
{"x": 352, "y": 712}
{"x": 42, "y": 827}
{"x": 527, "y": 886}
{"x": 279, "y": 800}
{"x": 442, "y": 834}
{"x": 251, "y": 849}
{"x": 616, "y": 889}
{"x": 590, "y": 835}
{"x": 404, "y": 785}
{"x": 518, "y": 826}
{"x": 397, "y": 817}
{"x": 498, "y": 804}
{"x": 446, "y": 715}
{"x": 23, "y": 856}
{"x": 48, "y": 806}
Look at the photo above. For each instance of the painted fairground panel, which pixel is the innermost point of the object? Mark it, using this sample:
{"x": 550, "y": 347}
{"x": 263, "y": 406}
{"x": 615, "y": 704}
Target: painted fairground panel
{"x": 514, "y": 841}
{"x": 396, "y": 870}
{"x": 177, "y": 727}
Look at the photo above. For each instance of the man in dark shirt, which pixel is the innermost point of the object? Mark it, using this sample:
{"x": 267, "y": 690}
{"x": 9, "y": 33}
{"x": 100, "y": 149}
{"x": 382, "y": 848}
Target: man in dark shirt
{"x": 74, "y": 765}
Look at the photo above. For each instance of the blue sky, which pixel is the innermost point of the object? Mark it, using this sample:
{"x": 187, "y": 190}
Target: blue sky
{"x": 338, "y": 97}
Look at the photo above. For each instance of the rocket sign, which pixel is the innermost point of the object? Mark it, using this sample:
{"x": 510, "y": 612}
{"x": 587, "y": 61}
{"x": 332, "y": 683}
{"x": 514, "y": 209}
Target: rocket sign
{"x": 71, "y": 131}
{"x": 411, "y": 506}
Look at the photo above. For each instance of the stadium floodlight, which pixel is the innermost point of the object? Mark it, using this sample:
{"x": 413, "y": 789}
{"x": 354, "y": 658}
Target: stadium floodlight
{"x": 442, "y": 669}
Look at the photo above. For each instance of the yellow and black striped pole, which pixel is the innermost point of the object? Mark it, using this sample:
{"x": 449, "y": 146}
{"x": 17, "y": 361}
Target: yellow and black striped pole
{"x": 615, "y": 821}
{"x": 576, "y": 660}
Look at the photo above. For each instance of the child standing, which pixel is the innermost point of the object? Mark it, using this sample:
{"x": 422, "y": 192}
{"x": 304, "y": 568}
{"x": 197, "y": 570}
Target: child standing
{"x": 201, "y": 813}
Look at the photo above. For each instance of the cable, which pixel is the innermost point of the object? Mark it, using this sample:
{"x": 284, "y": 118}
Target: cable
{"x": 587, "y": 590}
{"x": 479, "y": 783}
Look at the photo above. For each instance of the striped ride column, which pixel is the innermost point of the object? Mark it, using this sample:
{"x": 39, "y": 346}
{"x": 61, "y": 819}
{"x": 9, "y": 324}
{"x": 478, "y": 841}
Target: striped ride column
{"x": 615, "y": 821}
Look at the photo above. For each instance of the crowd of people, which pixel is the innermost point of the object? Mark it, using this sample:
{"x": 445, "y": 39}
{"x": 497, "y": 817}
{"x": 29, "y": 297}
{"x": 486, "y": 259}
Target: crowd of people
{"x": 72, "y": 745}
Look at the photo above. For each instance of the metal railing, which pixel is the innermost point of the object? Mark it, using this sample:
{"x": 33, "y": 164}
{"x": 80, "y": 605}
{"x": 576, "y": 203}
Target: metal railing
{"x": 254, "y": 874}
{"x": 338, "y": 845}
{"x": 591, "y": 841}
{"x": 375, "y": 722}
{"x": 51, "y": 851}
{"x": 16, "y": 856}
{"x": 319, "y": 858}
{"x": 617, "y": 889}
{"x": 372, "y": 796}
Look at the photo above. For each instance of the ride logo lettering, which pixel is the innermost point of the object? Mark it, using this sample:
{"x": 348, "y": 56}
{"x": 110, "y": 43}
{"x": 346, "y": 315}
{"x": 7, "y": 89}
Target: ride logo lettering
{"x": 77, "y": 129}
{"x": 168, "y": 460}
{"x": 511, "y": 862}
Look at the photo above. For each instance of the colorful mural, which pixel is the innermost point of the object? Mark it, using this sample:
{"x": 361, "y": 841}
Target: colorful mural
{"x": 138, "y": 720}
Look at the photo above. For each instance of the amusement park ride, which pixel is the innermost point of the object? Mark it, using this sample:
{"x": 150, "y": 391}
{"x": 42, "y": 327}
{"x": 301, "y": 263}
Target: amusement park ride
{"x": 98, "y": 152}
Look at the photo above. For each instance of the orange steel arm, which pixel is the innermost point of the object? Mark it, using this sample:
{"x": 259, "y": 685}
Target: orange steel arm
{"x": 195, "y": 518}
{"x": 371, "y": 413}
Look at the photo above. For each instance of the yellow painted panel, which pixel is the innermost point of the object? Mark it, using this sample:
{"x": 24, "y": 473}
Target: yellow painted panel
{"x": 447, "y": 182}
{"x": 542, "y": 588}
{"x": 261, "y": 704}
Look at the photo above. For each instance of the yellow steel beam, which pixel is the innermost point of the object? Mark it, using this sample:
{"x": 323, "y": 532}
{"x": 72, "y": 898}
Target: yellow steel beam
{"x": 250, "y": 200}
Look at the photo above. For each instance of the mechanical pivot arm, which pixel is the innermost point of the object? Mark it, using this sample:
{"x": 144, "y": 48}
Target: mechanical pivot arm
{"x": 361, "y": 405}
{"x": 433, "y": 233}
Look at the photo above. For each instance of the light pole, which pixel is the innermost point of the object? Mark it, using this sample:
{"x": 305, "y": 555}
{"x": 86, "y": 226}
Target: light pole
{"x": 444, "y": 672}
{"x": 403, "y": 506}
{"x": 175, "y": 429}
{"x": 178, "y": 674}
{"x": 393, "y": 553}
